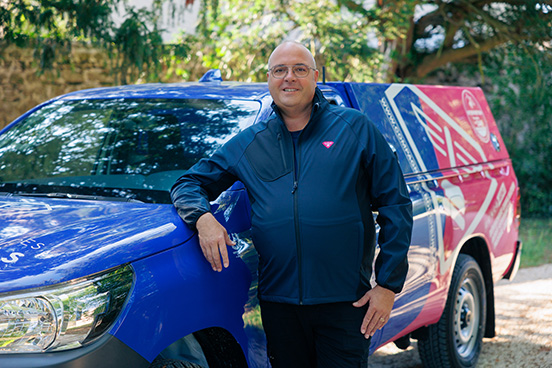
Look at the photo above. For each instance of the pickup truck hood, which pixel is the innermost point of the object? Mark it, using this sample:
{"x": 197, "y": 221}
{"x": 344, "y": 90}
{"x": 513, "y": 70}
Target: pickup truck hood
{"x": 47, "y": 241}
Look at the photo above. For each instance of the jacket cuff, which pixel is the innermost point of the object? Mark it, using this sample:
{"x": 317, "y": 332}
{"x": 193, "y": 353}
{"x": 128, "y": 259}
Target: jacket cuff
{"x": 191, "y": 217}
{"x": 390, "y": 288}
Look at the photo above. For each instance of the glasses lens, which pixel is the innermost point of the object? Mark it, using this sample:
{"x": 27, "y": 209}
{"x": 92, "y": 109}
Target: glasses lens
{"x": 279, "y": 71}
{"x": 301, "y": 71}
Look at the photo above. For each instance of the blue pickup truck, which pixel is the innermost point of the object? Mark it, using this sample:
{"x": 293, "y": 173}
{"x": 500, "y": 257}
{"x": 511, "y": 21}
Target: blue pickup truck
{"x": 98, "y": 270}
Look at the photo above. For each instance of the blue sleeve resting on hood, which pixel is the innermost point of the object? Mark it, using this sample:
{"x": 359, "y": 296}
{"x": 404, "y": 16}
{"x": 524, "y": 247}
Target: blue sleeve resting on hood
{"x": 203, "y": 183}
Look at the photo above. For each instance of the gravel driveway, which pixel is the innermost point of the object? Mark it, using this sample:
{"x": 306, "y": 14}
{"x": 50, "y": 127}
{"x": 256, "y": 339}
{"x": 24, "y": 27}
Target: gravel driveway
{"x": 523, "y": 327}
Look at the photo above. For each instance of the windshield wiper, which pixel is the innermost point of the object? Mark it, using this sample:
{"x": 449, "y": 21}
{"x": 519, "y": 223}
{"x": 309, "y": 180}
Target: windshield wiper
{"x": 77, "y": 196}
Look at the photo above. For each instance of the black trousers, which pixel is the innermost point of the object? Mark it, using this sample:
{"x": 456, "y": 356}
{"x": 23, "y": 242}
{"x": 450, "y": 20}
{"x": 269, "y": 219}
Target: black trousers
{"x": 315, "y": 336}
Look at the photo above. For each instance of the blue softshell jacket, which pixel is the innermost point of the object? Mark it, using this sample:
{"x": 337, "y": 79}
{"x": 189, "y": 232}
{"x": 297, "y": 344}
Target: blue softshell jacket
{"x": 312, "y": 219}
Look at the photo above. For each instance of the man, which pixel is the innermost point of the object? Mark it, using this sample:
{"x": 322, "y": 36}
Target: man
{"x": 314, "y": 173}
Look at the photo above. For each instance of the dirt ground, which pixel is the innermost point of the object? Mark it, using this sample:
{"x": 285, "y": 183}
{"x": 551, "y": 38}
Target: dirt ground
{"x": 523, "y": 327}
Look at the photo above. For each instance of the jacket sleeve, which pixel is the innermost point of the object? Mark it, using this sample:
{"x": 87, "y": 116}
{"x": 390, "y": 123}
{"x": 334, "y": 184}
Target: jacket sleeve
{"x": 203, "y": 183}
{"x": 390, "y": 199}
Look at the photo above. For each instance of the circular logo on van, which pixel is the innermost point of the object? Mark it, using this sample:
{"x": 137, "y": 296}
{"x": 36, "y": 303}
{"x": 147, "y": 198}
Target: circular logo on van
{"x": 476, "y": 116}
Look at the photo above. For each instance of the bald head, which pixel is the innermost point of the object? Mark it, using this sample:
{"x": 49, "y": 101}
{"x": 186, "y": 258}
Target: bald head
{"x": 292, "y": 94}
{"x": 292, "y": 46}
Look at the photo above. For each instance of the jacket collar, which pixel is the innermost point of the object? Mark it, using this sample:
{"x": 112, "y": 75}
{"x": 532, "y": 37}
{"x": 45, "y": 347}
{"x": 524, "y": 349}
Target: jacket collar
{"x": 319, "y": 102}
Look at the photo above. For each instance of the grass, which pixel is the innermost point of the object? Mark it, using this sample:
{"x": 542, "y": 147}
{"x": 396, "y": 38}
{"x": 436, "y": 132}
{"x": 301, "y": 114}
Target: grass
{"x": 536, "y": 235}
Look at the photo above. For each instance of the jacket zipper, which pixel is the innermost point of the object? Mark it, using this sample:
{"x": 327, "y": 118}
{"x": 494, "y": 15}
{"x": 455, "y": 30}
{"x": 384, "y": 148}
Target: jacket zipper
{"x": 296, "y": 166}
{"x": 296, "y": 221}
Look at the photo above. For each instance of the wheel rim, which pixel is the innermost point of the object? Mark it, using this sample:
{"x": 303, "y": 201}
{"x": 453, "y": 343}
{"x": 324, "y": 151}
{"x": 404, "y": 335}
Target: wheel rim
{"x": 467, "y": 316}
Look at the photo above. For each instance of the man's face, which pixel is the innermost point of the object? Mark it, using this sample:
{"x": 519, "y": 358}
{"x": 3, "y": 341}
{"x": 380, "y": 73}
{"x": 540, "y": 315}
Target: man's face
{"x": 291, "y": 92}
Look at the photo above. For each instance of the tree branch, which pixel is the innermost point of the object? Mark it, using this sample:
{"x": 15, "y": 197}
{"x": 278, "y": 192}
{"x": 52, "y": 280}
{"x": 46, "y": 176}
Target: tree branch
{"x": 434, "y": 60}
{"x": 454, "y": 18}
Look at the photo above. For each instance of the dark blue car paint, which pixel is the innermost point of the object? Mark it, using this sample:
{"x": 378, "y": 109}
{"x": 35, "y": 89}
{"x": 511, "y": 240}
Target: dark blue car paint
{"x": 66, "y": 239}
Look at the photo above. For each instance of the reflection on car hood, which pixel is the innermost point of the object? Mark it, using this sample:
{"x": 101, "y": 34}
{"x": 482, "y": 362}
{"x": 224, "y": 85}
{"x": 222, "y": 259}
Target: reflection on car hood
{"x": 47, "y": 241}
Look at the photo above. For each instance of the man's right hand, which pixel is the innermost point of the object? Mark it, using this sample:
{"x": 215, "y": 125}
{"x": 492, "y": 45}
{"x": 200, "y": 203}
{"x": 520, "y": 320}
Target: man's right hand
{"x": 213, "y": 240}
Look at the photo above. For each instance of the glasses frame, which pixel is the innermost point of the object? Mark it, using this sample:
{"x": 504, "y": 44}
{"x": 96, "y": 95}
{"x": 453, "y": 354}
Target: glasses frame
{"x": 290, "y": 67}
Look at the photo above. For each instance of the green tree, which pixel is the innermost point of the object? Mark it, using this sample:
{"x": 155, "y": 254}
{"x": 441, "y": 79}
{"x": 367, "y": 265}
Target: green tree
{"x": 400, "y": 40}
{"x": 460, "y": 30}
{"x": 521, "y": 81}
{"x": 52, "y": 26}
{"x": 237, "y": 36}
{"x": 379, "y": 40}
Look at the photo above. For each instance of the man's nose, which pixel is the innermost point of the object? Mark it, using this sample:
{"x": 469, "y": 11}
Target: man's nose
{"x": 289, "y": 74}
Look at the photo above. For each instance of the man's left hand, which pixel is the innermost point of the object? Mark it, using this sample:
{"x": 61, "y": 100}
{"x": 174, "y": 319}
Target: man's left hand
{"x": 380, "y": 302}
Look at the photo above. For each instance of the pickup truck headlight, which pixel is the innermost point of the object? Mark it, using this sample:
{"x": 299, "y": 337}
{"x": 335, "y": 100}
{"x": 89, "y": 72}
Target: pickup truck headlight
{"x": 64, "y": 316}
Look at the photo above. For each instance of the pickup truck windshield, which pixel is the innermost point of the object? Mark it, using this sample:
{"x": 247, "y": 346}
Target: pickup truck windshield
{"x": 124, "y": 148}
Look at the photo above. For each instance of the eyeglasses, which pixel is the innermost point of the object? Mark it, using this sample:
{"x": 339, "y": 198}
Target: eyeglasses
{"x": 299, "y": 70}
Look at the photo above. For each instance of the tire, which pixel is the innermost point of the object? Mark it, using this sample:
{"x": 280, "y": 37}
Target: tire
{"x": 171, "y": 363}
{"x": 456, "y": 340}
{"x": 221, "y": 350}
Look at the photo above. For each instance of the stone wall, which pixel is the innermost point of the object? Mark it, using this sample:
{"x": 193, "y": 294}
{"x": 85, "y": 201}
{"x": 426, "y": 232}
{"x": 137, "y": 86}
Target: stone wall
{"x": 23, "y": 85}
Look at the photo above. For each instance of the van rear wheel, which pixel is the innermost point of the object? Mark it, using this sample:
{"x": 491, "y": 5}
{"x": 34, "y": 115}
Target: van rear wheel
{"x": 456, "y": 340}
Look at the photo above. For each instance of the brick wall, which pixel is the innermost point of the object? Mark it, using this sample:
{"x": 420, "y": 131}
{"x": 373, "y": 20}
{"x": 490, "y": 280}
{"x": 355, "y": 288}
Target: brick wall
{"x": 23, "y": 85}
